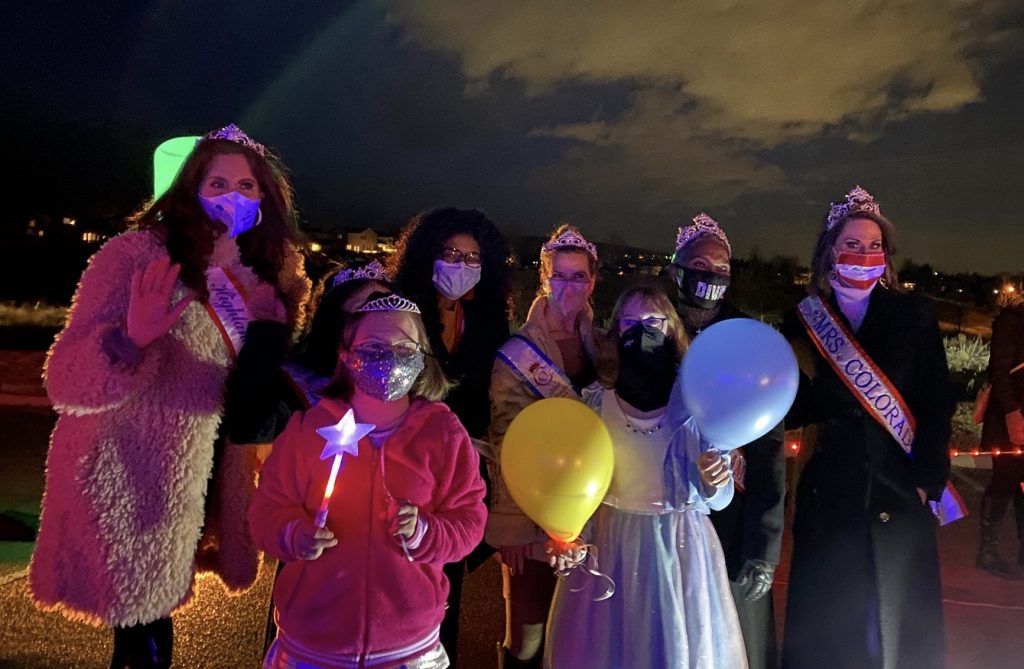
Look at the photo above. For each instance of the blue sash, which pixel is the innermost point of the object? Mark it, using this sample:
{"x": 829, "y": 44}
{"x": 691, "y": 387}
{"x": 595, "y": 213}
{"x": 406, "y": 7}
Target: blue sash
{"x": 542, "y": 376}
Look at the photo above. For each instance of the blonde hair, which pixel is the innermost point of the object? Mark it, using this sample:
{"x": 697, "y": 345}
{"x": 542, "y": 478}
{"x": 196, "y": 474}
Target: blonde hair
{"x": 656, "y": 299}
{"x": 547, "y": 258}
{"x": 432, "y": 383}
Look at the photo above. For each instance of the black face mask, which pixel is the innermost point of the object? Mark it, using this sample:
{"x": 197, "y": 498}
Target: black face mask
{"x": 647, "y": 367}
{"x": 700, "y": 288}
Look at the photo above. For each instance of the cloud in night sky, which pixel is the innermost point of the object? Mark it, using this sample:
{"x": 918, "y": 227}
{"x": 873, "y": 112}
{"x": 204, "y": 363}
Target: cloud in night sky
{"x": 714, "y": 82}
{"x": 626, "y": 118}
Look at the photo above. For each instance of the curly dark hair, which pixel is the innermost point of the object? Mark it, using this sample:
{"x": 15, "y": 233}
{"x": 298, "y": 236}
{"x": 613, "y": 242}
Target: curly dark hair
{"x": 421, "y": 242}
{"x": 189, "y": 233}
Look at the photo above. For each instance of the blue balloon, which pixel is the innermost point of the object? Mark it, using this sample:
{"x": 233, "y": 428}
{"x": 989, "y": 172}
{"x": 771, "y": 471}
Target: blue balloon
{"x": 738, "y": 379}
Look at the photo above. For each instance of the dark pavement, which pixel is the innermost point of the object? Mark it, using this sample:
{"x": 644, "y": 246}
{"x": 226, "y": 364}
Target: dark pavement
{"x": 984, "y": 615}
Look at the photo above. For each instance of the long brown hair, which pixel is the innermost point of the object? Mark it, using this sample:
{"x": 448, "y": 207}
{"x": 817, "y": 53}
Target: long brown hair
{"x": 190, "y": 235}
{"x": 821, "y": 261}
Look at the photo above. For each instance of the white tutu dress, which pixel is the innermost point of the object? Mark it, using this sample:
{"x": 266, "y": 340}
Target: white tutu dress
{"x": 672, "y": 605}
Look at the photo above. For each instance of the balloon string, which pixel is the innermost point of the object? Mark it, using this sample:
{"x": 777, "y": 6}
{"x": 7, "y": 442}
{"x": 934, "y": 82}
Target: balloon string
{"x": 589, "y": 566}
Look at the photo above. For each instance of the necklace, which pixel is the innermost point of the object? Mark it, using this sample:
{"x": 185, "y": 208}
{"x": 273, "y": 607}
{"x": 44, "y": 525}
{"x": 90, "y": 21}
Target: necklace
{"x": 643, "y": 431}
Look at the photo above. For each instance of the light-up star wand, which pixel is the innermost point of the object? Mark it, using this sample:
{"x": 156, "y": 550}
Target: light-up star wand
{"x": 341, "y": 439}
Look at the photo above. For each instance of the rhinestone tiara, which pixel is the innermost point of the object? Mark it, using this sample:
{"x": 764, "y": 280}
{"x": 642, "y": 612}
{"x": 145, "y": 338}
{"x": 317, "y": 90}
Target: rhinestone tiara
{"x": 857, "y": 201}
{"x": 702, "y": 226}
{"x": 374, "y": 271}
{"x": 391, "y": 302}
{"x": 233, "y": 133}
{"x": 570, "y": 239}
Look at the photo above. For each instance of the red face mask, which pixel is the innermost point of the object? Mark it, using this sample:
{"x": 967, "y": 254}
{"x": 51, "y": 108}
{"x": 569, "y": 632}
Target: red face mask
{"x": 859, "y": 270}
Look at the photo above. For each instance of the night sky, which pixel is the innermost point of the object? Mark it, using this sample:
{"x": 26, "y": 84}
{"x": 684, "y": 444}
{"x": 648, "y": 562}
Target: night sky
{"x": 626, "y": 118}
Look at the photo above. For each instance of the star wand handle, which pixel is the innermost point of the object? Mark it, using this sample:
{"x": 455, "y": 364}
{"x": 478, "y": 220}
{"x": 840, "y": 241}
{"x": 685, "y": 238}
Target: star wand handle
{"x": 321, "y": 516}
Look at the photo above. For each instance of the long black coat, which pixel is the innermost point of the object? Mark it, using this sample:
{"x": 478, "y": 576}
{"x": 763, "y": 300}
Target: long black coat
{"x": 864, "y": 555}
{"x": 486, "y": 329}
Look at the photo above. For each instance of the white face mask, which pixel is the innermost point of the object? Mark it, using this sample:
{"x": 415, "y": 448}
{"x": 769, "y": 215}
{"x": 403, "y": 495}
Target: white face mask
{"x": 234, "y": 210}
{"x": 453, "y": 280}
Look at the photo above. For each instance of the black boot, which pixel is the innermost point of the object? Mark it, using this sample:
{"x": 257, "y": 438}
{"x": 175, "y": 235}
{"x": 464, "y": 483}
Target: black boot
{"x": 992, "y": 511}
{"x": 1018, "y": 509}
{"x": 146, "y": 646}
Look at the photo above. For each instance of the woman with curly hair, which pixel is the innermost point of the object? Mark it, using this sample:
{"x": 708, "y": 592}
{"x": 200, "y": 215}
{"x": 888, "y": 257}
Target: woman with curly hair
{"x": 453, "y": 264}
{"x": 138, "y": 495}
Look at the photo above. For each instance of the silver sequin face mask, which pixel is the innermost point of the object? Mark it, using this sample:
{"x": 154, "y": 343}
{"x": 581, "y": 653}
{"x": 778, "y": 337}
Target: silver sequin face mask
{"x": 386, "y": 373}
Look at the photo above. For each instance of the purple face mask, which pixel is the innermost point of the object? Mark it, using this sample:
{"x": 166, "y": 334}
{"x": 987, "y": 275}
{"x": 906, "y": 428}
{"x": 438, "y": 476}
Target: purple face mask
{"x": 568, "y": 296}
{"x": 234, "y": 210}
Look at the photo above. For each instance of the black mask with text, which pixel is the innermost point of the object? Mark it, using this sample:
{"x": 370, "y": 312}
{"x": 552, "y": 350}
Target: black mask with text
{"x": 700, "y": 288}
{"x": 647, "y": 367}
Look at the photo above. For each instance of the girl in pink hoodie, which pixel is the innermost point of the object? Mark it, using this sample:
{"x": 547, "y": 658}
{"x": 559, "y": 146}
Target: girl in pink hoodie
{"x": 367, "y": 589}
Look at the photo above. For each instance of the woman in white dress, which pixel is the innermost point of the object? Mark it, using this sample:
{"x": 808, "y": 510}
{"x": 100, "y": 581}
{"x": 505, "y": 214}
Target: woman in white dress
{"x": 672, "y": 606}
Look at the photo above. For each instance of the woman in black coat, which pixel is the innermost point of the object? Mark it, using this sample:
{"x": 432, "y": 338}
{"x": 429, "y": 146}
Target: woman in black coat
{"x": 1004, "y": 431}
{"x": 454, "y": 264}
{"x": 864, "y": 586}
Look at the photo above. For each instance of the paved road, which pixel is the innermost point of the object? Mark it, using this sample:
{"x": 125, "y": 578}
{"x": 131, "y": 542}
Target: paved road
{"x": 984, "y": 616}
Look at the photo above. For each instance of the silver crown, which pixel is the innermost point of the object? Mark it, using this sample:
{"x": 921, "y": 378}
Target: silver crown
{"x": 233, "y": 133}
{"x": 857, "y": 201}
{"x": 391, "y": 302}
{"x": 702, "y": 226}
{"x": 570, "y": 239}
{"x": 373, "y": 271}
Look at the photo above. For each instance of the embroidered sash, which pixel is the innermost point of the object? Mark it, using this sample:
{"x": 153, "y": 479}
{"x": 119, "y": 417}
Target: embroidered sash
{"x": 542, "y": 376}
{"x": 872, "y": 388}
{"x": 227, "y": 308}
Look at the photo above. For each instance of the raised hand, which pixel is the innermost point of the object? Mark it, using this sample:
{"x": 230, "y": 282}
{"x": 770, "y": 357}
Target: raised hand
{"x": 150, "y": 314}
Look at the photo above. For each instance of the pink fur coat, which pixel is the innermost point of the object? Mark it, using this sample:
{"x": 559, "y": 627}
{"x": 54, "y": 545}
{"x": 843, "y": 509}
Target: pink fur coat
{"x": 125, "y": 522}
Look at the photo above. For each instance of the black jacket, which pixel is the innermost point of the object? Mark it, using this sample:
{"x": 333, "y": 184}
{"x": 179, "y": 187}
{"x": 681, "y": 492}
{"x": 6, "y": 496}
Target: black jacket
{"x": 260, "y": 398}
{"x": 1007, "y": 393}
{"x": 470, "y": 364}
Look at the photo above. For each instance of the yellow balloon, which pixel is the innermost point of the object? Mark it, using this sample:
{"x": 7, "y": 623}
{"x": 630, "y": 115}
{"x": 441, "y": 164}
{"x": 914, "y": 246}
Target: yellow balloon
{"x": 557, "y": 463}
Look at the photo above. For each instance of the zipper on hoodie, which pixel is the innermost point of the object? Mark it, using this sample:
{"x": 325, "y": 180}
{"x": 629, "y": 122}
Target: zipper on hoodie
{"x": 365, "y": 651}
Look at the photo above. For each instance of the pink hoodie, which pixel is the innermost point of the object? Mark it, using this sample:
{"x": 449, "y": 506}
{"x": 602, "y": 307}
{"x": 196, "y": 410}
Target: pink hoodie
{"x": 363, "y": 600}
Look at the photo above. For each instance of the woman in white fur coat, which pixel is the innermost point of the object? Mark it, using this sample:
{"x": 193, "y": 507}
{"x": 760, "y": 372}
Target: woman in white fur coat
{"x": 140, "y": 492}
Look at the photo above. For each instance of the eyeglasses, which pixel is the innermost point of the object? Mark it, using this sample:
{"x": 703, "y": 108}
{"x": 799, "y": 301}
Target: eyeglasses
{"x": 376, "y": 351}
{"x": 650, "y": 322}
{"x": 452, "y": 256}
